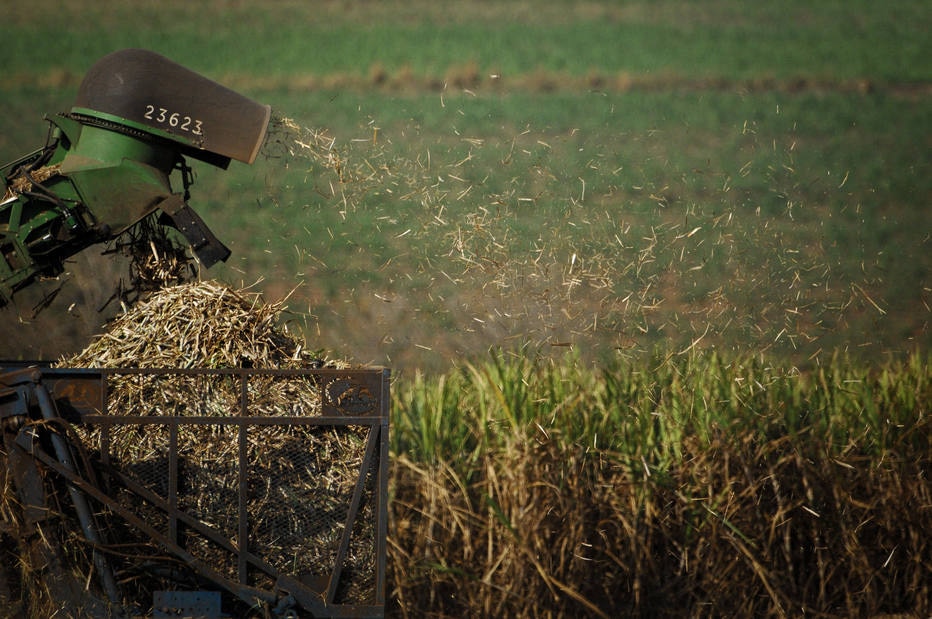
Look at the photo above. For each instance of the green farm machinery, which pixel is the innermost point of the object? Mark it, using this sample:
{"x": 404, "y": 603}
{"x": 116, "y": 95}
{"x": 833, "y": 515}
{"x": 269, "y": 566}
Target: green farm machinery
{"x": 107, "y": 164}
{"x": 227, "y": 506}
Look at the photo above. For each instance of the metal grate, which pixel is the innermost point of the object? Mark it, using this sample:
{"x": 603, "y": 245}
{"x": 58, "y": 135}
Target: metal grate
{"x": 269, "y": 484}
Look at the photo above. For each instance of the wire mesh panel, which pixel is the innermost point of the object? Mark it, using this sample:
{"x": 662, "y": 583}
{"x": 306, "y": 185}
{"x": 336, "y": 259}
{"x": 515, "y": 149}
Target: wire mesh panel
{"x": 269, "y": 484}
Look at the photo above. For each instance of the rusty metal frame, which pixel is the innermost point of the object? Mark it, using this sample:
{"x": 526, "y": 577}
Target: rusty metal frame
{"x": 358, "y": 397}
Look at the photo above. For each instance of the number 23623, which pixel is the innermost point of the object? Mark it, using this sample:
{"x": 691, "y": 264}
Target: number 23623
{"x": 176, "y": 120}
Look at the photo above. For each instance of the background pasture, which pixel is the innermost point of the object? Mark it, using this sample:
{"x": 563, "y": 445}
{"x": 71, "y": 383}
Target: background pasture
{"x": 611, "y": 177}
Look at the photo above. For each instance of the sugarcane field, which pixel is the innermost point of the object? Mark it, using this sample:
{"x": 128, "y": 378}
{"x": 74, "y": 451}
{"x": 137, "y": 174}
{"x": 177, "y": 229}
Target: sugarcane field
{"x": 424, "y": 310}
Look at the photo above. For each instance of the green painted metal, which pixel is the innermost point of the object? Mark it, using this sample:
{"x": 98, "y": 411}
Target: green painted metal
{"x": 117, "y": 158}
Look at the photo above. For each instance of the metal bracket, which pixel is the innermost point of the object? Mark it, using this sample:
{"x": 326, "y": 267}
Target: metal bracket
{"x": 208, "y": 247}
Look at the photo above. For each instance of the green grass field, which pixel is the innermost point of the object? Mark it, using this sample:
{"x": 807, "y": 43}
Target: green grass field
{"x": 611, "y": 178}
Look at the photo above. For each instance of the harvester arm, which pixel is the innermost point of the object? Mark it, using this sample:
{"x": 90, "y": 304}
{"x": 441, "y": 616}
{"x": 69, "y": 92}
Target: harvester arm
{"x": 108, "y": 162}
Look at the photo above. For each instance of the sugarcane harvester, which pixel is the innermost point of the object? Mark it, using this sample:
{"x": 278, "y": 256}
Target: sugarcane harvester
{"x": 108, "y": 165}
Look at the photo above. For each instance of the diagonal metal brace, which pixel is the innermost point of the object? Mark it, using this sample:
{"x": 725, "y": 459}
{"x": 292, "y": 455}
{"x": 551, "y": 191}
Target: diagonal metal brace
{"x": 245, "y": 593}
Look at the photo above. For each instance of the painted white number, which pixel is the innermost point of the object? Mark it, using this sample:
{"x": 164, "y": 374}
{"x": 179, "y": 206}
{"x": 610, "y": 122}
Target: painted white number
{"x": 173, "y": 119}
